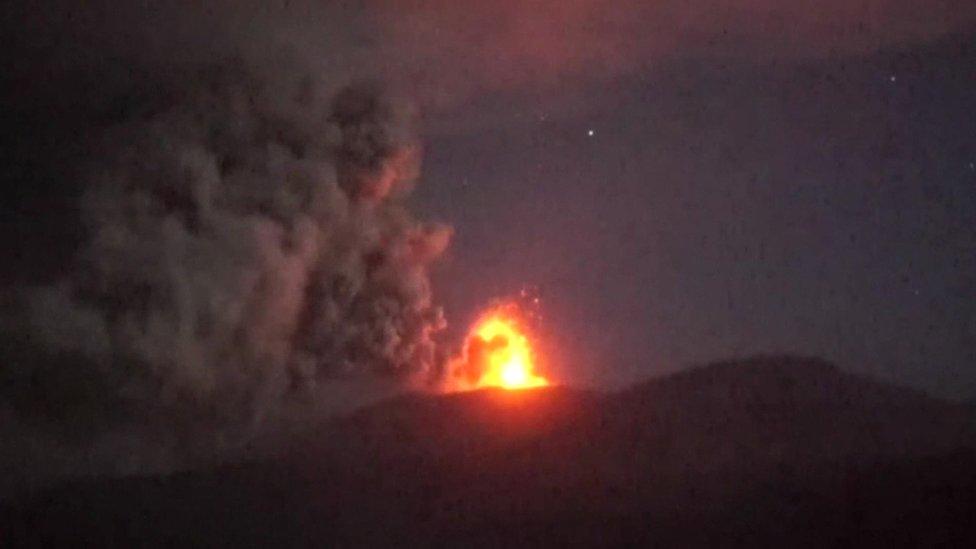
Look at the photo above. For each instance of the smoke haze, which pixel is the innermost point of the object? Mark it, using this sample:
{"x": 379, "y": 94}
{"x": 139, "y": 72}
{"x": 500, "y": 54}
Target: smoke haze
{"x": 246, "y": 246}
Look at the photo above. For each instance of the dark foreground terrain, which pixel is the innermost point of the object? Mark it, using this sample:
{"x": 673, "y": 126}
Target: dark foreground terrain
{"x": 766, "y": 451}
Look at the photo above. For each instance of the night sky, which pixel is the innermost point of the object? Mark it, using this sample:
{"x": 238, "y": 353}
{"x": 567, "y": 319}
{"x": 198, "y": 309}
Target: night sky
{"x": 679, "y": 183}
{"x": 714, "y": 207}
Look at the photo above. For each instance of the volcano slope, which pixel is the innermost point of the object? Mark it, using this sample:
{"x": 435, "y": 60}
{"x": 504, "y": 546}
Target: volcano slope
{"x": 759, "y": 451}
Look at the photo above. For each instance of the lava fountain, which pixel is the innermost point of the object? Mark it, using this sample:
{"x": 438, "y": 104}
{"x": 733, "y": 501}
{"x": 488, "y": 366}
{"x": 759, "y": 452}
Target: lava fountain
{"x": 497, "y": 353}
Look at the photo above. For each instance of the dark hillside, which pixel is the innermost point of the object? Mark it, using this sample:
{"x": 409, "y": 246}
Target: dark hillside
{"x": 769, "y": 450}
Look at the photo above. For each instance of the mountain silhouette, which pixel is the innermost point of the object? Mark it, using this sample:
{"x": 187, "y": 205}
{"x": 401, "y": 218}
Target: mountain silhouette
{"x": 765, "y": 450}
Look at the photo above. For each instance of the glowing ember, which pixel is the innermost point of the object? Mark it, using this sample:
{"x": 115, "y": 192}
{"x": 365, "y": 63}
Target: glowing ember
{"x": 497, "y": 354}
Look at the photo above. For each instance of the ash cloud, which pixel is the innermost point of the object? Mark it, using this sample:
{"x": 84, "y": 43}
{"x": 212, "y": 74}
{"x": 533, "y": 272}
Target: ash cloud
{"x": 248, "y": 262}
{"x": 447, "y": 52}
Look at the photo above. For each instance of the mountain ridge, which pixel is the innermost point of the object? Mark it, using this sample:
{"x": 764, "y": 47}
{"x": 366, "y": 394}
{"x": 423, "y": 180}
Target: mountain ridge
{"x": 769, "y": 449}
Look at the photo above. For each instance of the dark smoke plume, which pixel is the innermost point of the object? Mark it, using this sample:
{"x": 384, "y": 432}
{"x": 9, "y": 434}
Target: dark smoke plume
{"x": 247, "y": 256}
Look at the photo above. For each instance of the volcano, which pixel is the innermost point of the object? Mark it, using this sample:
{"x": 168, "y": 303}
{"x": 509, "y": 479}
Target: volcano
{"x": 759, "y": 451}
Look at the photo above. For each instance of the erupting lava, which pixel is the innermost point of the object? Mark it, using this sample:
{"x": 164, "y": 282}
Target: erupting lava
{"x": 497, "y": 353}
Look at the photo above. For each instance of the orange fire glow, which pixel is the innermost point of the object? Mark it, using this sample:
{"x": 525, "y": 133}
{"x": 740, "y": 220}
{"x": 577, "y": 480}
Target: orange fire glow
{"x": 497, "y": 353}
